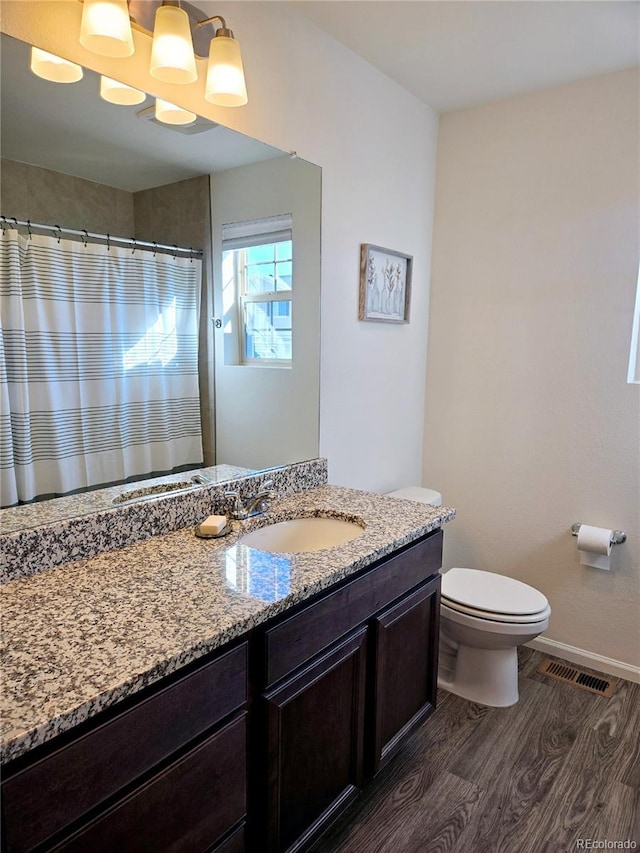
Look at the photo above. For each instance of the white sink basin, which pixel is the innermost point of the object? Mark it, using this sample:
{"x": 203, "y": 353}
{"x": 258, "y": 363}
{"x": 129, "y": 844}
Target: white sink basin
{"x": 302, "y": 534}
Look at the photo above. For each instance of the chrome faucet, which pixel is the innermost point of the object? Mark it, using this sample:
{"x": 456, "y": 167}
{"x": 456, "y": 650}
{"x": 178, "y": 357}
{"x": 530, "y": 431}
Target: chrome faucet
{"x": 250, "y": 506}
{"x": 200, "y": 480}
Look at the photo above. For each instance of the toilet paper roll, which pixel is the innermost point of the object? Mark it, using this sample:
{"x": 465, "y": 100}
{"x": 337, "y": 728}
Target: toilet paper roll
{"x": 594, "y": 546}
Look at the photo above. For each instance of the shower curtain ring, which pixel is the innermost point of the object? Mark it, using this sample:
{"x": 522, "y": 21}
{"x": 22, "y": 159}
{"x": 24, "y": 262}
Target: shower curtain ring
{"x": 155, "y": 248}
{"x": 85, "y": 237}
{"x": 57, "y": 232}
{"x": 108, "y": 242}
{"x": 175, "y": 251}
{"x": 29, "y": 235}
{"x": 190, "y": 254}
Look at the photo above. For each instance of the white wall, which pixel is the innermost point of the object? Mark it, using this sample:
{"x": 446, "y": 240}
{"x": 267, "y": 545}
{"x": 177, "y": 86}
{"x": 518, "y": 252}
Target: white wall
{"x": 530, "y": 425}
{"x": 376, "y": 144}
{"x": 269, "y": 415}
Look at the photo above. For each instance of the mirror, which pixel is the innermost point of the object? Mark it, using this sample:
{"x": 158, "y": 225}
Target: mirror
{"x": 72, "y": 160}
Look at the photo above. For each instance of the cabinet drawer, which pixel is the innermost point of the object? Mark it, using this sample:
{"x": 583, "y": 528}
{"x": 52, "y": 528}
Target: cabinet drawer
{"x": 300, "y": 637}
{"x": 60, "y": 788}
{"x": 187, "y": 807}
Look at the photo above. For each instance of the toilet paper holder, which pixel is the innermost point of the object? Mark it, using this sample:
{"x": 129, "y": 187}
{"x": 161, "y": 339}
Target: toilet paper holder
{"x": 617, "y": 536}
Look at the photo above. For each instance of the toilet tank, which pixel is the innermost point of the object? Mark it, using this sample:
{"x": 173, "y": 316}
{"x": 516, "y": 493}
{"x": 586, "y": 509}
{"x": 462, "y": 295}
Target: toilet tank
{"x": 419, "y": 494}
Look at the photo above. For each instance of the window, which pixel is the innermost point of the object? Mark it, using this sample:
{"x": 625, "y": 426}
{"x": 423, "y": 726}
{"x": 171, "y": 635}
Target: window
{"x": 633, "y": 374}
{"x": 257, "y": 260}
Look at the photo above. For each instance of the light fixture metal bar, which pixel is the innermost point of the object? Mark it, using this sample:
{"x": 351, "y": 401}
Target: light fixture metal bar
{"x": 210, "y": 20}
{"x": 143, "y": 13}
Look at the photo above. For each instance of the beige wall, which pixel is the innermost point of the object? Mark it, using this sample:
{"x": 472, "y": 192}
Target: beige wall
{"x": 51, "y": 198}
{"x": 175, "y": 213}
{"x": 530, "y": 425}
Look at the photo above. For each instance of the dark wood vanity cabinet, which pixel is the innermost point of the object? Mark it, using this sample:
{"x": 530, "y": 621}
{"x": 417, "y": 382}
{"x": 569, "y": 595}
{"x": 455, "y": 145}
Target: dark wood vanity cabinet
{"x": 405, "y": 668}
{"x": 297, "y": 717}
{"x": 186, "y": 807}
{"x": 314, "y": 743}
{"x": 165, "y": 772}
{"x": 346, "y": 678}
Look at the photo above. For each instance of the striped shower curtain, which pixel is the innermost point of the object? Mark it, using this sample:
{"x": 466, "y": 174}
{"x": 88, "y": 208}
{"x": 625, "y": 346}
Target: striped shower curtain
{"x": 98, "y": 365}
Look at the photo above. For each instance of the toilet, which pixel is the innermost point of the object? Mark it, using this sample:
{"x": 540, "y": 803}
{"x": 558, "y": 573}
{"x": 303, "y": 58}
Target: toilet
{"x": 484, "y": 617}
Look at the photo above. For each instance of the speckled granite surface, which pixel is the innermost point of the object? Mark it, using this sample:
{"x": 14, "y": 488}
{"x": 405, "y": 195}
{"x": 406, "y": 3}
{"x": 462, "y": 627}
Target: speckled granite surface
{"x": 53, "y": 543}
{"x": 82, "y": 636}
{"x": 57, "y": 510}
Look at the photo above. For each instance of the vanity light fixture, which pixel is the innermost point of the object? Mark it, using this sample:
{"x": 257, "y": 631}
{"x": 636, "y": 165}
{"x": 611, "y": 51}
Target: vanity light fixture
{"x": 119, "y": 93}
{"x": 171, "y": 114}
{"x": 172, "y": 56}
{"x": 225, "y": 85}
{"x": 105, "y": 28}
{"x": 54, "y": 68}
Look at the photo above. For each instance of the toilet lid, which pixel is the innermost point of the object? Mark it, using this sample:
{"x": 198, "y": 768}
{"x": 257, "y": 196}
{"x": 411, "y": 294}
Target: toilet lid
{"x": 491, "y": 593}
{"x": 491, "y": 616}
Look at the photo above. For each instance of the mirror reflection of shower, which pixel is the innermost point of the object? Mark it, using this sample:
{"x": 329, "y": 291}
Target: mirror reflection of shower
{"x": 100, "y": 344}
{"x": 74, "y": 160}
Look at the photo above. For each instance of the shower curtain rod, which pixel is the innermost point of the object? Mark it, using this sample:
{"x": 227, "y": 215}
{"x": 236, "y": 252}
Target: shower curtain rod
{"x": 85, "y": 235}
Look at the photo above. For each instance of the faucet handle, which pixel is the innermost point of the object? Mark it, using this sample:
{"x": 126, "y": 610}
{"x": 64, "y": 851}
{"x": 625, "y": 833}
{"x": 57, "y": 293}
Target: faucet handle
{"x": 200, "y": 480}
{"x": 237, "y": 507}
{"x": 269, "y": 492}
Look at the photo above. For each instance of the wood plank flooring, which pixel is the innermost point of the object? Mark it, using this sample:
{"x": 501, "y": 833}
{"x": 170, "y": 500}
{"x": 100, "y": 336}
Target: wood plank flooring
{"x": 561, "y": 766}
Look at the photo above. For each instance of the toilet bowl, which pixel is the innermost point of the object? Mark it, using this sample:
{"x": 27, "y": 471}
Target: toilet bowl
{"x": 484, "y": 617}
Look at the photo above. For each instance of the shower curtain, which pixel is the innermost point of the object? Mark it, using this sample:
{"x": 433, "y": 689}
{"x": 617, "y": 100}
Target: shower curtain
{"x": 98, "y": 365}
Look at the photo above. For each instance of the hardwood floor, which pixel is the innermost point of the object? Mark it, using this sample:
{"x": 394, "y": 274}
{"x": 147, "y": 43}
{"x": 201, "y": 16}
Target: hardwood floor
{"x": 561, "y": 766}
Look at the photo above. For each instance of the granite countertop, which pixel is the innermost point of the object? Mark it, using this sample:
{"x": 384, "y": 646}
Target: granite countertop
{"x": 82, "y": 636}
{"x": 36, "y": 514}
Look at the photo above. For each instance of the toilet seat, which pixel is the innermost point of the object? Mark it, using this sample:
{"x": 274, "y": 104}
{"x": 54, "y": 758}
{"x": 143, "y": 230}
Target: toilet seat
{"x": 487, "y": 595}
{"x": 490, "y": 615}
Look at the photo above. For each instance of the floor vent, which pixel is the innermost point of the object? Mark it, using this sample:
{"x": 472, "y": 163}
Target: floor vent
{"x": 573, "y": 675}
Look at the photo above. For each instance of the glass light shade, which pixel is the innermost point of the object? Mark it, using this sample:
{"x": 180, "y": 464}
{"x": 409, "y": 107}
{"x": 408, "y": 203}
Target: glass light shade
{"x": 54, "y": 68}
{"x": 172, "y": 58}
{"x": 171, "y": 114}
{"x": 106, "y": 28}
{"x": 225, "y": 84}
{"x": 119, "y": 93}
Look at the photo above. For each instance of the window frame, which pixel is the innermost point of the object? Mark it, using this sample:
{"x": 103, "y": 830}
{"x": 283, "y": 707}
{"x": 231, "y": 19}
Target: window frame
{"x": 257, "y": 236}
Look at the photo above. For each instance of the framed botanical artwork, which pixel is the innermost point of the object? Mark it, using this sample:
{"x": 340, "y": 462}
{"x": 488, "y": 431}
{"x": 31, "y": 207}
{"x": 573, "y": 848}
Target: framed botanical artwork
{"x": 385, "y": 285}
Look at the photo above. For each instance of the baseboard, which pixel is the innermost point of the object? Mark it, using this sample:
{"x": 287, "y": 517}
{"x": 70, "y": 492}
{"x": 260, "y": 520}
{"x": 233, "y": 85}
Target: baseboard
{"x": 589, "y": 659}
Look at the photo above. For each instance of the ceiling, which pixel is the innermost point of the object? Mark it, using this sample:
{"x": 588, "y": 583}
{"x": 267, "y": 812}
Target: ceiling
{"x": 454, "y": 54}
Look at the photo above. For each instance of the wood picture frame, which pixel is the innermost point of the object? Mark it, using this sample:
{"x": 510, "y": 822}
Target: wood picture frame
{"x": 385, "y": 285}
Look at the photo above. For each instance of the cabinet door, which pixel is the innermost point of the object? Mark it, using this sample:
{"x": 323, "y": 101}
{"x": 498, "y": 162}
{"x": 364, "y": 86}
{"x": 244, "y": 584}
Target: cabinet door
{"x": 315, "y": 745}
{"x": 234, "y": 843}
{"x": 406, "y": 668}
